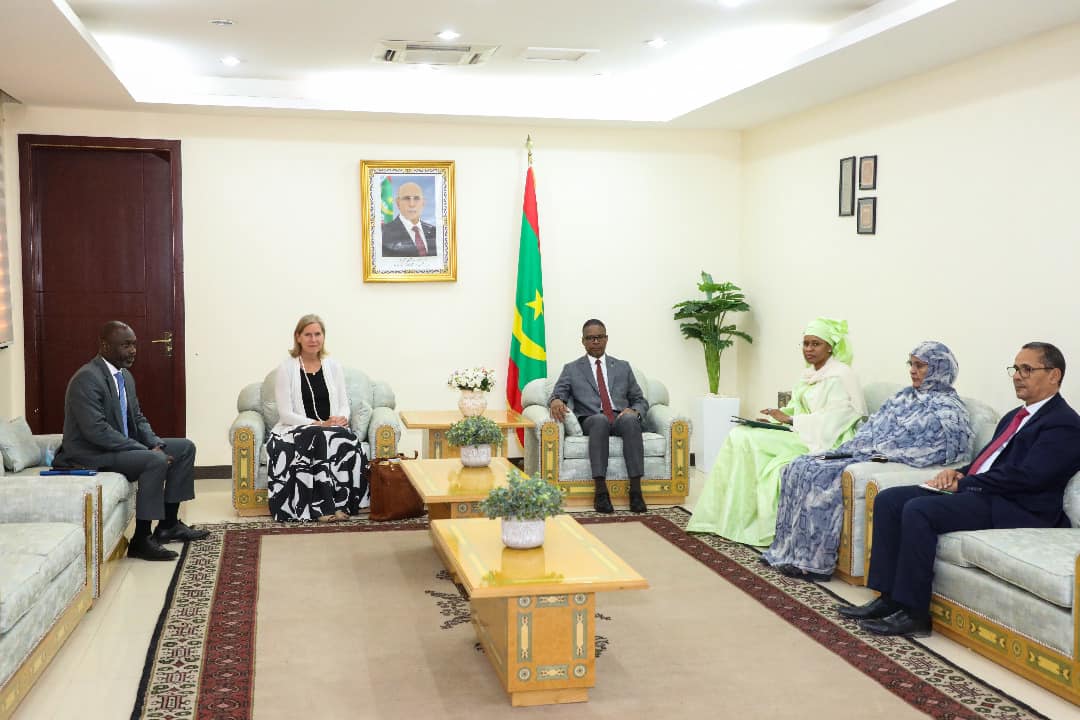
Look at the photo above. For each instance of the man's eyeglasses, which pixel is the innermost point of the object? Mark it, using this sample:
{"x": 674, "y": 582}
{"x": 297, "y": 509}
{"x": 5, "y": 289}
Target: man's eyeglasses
{"x": 410, "y": 198}
{"x": 1024, "y": 371}
{"x": 594, "y": 338}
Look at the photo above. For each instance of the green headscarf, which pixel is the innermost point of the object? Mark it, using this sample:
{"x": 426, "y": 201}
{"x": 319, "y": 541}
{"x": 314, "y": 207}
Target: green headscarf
{"x": 833, "y": 332}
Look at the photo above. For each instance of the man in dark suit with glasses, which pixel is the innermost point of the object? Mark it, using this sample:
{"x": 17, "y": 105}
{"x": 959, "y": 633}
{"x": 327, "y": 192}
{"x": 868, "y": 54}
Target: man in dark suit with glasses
{"x": 1016, "y": 481}
{"x": 606, "y": 400}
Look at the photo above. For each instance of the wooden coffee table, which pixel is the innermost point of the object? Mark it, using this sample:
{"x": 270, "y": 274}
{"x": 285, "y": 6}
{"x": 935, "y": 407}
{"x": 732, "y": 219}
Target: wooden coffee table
{"x": 533, "y": 610}
{"x": 435, "y": 423}
{"x": 451, "y": 490}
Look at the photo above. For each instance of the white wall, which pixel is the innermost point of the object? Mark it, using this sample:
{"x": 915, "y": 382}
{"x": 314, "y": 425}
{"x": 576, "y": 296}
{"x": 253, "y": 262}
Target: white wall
{"x": 978, "y": 233}
{"x": 628, "y": 218}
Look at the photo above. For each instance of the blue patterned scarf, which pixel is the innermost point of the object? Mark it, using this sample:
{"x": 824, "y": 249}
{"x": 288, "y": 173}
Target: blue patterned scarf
{"x": 924, "y": 426}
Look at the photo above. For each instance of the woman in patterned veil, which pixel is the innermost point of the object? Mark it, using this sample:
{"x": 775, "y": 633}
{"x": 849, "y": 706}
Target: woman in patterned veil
{"x": 923, "y": 424}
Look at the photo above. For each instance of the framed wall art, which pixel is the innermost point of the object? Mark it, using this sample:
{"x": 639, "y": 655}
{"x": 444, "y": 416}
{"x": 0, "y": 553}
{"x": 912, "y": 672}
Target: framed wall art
{"x": 868, "y": 172}
{"x": 407, "y": 216}
{"x": 847, "y": 186}
{"x": 866, "y": 222}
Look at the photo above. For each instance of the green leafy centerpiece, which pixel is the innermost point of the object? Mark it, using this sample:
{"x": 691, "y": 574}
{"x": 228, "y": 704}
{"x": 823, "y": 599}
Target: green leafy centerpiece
{"x": 522, "y": 504}
{"x": 473, "y": 383}
{"x": 474, "y": 436}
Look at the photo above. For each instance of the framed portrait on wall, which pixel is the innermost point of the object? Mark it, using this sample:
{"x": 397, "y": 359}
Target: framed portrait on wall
{"x": 407, "y": 220}
{"x": 847, "y": 186}
{"x": 868, "y": 172}
{"x": 866, "y": 222}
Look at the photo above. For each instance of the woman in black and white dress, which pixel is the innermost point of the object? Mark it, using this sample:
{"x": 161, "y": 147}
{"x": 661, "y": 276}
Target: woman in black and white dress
{"x": 316, "y": 465}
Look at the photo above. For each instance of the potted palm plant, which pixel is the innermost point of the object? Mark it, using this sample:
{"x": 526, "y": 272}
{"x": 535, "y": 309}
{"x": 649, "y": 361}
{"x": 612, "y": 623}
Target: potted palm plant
{"x": 706, "y": 320}
{"x": 522, "y": 504}
{"x": 474, "y": 436}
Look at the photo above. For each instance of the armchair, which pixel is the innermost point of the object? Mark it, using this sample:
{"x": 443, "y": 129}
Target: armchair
{"x": 373, "y": 419}
{"x": 560, "y": 452}
{"x": 854, "y": 544}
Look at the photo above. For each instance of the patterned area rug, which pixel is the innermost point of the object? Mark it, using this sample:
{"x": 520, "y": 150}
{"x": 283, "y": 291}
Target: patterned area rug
{"x": 201, "y": 660}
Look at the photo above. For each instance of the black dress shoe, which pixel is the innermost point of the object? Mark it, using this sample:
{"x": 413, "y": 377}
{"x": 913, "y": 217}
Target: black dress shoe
{"x": 149, "y": 549}
{"x": 899, "y": 623}
{"x": 797, "y": 573}
{"x": 877, "y": 608}
{"x": 178, "y": 533}
{"x": 602, "y": 503}
{"x": 637, "y": 503}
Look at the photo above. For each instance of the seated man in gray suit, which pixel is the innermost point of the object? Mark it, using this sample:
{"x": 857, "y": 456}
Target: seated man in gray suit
{"x": 105, "y": 429}
{"x": 606, "y": 399}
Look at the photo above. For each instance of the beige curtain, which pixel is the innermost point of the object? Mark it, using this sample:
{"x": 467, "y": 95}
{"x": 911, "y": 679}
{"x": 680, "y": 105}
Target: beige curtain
{"x": 6, "y": 329}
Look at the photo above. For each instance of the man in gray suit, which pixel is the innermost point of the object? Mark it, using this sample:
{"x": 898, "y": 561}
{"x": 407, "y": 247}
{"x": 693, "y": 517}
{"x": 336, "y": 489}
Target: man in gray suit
{"x": 104, "y": 429}
{"x": 603, "y": 394}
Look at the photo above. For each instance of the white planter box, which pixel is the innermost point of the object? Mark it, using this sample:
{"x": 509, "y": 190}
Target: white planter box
{"x": 712, "y": 428}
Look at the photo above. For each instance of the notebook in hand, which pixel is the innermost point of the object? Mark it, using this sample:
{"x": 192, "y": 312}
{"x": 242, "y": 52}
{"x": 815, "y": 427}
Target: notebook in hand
{"x": 759, "y": 423}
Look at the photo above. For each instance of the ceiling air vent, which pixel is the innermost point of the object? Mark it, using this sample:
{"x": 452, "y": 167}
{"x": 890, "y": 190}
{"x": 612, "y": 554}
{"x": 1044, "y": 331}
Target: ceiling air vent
{"x": 433, "y": 53}
{"x": 547, "y": 54}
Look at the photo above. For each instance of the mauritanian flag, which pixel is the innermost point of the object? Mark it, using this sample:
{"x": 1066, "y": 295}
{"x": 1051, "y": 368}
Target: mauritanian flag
{"x": 386, "y": 195}
{"x": 528, "y": 353}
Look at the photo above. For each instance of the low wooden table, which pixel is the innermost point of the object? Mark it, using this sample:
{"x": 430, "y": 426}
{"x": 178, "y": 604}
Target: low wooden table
{"x": 435, "y": 423}
{"x": 451, "y": 490}
{"x": 533, "y": 610}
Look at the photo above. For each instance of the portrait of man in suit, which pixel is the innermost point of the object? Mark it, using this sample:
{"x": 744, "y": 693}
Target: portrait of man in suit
{"x": 603, "y": 394}
{"x": 407, "y": 235}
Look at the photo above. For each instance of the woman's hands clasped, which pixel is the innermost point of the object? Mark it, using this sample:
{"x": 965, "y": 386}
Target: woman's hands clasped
{"x": 333, "y": 421}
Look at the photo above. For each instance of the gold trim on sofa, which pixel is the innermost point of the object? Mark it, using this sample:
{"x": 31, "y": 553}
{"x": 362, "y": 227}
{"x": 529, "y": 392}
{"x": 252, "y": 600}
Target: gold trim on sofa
{"x": 1008, "y": 648}
{"x": 24, "y": 677}
{"x": 579, "y": 493}
{"x": 249, "y": 500}
{"x": 844, "y": 559}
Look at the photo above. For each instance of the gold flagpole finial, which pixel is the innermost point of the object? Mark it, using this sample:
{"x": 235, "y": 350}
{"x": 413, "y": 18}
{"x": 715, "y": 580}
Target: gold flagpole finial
{"x": 529, "y": 147}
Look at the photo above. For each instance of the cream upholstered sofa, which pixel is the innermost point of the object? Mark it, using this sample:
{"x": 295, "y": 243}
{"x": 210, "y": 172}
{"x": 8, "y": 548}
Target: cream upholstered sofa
{"x": 851, "y": 565}
{"x": 1010, "y": 595}
{"x": 560, "y": 452}
{"x": 46, "y": 564}
{"x": 113, "y": 504}
{"x": 374, "y": 421}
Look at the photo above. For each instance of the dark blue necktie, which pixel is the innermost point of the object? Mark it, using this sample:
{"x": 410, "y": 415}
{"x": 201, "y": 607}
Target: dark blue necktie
{"x": 123, "y": 400}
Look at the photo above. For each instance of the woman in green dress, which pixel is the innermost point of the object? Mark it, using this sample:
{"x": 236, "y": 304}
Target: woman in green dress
{"x": 740, "y": 497}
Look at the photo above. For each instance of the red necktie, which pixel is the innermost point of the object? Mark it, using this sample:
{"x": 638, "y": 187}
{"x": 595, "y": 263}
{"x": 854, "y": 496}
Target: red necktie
{"x": 1000, "y": 440}
{"x": 421, "y": 248}
{"x": 605, "y": 399}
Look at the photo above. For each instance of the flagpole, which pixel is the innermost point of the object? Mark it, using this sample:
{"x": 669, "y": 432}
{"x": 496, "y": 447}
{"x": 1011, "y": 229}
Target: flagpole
{"x": 529, "y": 147}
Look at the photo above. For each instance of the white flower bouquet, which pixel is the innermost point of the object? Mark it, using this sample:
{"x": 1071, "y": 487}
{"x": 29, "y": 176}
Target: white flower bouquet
{"x": 477, "y": 378}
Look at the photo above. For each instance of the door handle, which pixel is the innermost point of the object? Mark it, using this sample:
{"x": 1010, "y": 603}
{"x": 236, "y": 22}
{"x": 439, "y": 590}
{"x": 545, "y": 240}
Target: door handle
{"x": 167, "y": 339}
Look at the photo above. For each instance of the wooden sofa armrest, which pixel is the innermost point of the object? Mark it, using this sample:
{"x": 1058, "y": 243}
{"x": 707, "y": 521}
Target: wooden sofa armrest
{"x": 384, "y": 432}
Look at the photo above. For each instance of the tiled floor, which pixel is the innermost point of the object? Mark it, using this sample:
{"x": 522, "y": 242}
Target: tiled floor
{"x": 96, "y": 674}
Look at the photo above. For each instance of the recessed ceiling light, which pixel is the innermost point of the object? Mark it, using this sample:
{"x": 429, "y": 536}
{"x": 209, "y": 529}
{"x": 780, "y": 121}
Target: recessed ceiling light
{"x": 657, "y": 43}
{"x": 222, "y": 22}
{"x": 448, "y": 35}
{"x": 732, "y": 4}
{"x": 230, "y": 61}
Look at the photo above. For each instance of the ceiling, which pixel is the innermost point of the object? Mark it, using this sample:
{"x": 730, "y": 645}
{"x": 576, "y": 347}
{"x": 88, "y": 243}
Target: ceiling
{"x": 726, "y": 63}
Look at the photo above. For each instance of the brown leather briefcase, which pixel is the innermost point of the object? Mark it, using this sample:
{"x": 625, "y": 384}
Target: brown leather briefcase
{"x": 392, "y": 495}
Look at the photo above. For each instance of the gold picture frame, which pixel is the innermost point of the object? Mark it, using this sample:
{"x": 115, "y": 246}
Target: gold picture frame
{"x": 407, "y": 215}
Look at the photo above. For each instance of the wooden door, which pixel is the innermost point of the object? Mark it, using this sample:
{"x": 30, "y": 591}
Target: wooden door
{"x": 101, "y": 240}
